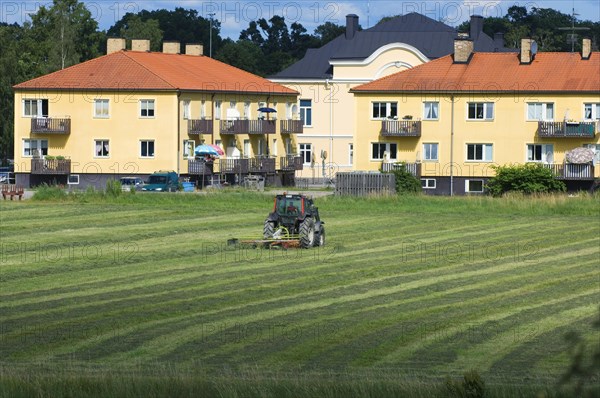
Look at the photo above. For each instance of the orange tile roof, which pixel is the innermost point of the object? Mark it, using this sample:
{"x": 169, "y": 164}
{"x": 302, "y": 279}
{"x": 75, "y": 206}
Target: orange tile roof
{"x": 136, "y": 70}
{"x": 496, "y": 72}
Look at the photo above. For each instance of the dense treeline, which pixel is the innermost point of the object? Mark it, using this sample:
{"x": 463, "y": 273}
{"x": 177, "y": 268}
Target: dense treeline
{"x": 64, "y": 34}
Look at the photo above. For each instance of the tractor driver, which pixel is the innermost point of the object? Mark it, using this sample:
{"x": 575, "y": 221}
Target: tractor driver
{"x": 291, "y": 209}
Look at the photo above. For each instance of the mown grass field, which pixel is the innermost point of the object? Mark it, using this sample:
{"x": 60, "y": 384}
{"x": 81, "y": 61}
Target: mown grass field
{"x": 406, "y": 290}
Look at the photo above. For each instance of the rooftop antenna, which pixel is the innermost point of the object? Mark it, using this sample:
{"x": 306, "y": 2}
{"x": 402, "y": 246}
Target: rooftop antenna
{"x": 572, "y": 36}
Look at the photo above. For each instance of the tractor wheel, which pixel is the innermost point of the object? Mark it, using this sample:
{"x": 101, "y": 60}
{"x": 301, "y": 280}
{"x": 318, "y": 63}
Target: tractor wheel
{"x": 321, "y": 240}
{"x": 307, "y": 233}
{"x": 268, "y": 230}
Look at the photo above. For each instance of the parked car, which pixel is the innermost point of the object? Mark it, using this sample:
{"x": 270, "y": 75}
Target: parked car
{"x": 129, "y": 183}
{"x": 162, "y": 181}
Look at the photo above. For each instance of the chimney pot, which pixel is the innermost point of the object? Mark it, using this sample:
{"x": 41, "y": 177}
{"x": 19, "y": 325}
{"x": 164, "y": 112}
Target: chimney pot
{"x": 194, "y": 49}
{"x": 463, "y": 48}
{"x": 116, "y": 44}
{"x": 171, "y": 47}
{"x": 140, "y": 45}
{"x": 351, "y": 26}
{"x": 586, "y": 49}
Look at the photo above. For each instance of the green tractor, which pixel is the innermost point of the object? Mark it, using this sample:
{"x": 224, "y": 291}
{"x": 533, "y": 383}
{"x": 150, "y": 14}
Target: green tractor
{"x": 295, "y": 217}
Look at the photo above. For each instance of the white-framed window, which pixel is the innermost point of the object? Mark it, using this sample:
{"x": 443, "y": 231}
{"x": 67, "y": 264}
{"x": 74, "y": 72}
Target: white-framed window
{"x": 596, "y": 149}
{"x": 384, "y": 151}
{"x": 101, "y": 148}
{"x": 187, "y": 109}
{"x": 543, "y": 153}
{"x": 591, "y": 111}
{"x": 431, "y": 110}
{"x": 101, "y": 109}
{"x": 288, "y": 111}
{"x": 428, "y": 183}
{"x": 147, "y": 108}
{"x": 306, "y": 151}
{"x": 247, "y": 110}
{"x": 384, "y": 110}
{"x": 34, "y": 148}
{"x": 289, "y": 150}
{"x": 219, "y": 143}
{"x": 306, "y": 112}
{"x": 474, "y": 186}
{"x": 350, "y": 154}
{"x": 203, "y": 109}
{"x": 273, "y": 148}
{"x": 146, "y": 148}
{"x": 247, "y": 147}
{"x": 188, "y": 148}
{"x": 540, "y": 111}
{"x": 73, "y": 179}
{"x": 480, "y": 152}
{"x": 480, "y": 111}
{"x": 430, "y": 152}
{"x": 35, "y": 107}
{"x": 218, "y": 110}
{"x": 262, "y": 147}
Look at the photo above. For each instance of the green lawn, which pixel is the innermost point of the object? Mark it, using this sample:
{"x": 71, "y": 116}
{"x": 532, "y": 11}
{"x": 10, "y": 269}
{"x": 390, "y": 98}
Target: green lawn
{"x": 405, "y": 289}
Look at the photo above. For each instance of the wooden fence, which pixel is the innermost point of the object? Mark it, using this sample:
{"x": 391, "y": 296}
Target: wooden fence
{"x": 362, "y": 184}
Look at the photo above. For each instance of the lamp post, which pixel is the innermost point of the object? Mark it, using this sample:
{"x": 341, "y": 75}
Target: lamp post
{"x": 211, "y": 15}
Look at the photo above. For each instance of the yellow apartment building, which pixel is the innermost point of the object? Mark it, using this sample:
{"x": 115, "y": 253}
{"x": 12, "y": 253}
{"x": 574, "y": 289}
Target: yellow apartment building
{"x": 133, "y": 112}
{"x": 325, "y": 76}
{"x": 453, "y": 118}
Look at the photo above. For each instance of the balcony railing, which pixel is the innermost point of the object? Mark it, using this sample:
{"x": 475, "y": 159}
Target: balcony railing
{"x": 566, "y": 129}
{"x": 233, "y": 166}
{"x": 292, "y": 126}
{"x": 571, "y": 171}
{"x": 401, "y": 128}
{"x": 412, "y": 168}
{"x": 51, "y": 166}
{"x": 200, "y": 126}
{"x": 46, "y": 125}
{"x": 199, "y": 167}
{"x": 247, "y": 126}
{"x": 261, "y": 165}
{"x": 291, "y": 163}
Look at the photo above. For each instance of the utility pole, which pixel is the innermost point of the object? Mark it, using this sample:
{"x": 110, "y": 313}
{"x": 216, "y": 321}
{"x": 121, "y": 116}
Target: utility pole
{"x": 211, "y": 15}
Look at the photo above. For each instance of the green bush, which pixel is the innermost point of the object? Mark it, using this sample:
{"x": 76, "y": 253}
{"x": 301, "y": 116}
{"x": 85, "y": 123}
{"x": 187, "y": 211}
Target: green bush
{"x": 113, "y": 188}
{"x": 406, "y": 183}
{"x": 528, "y": 178}
{"x": 49, "y": 192}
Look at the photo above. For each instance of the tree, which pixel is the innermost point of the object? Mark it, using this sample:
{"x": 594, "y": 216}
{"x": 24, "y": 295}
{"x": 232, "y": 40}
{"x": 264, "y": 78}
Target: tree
{"x": 136, "y": 28}
{"x": 242, "y": 54}
{"x": 66, "y": 34}
{"x": 328, "y": 31}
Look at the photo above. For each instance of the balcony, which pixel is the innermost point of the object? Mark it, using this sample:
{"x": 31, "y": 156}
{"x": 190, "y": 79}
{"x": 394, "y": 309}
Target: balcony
{"x": 571, "y": 171}
{"x": 261, "y": 165}
{"x": 566, "y": 129}
{"x": 292, "y": 127}
{"x": 401, "y": 128}
{"x": 51, "y": 166}
{"x": 199, "y": 167}
{"x": 200, "y": 126}
{"x": 46, "y": 125}
{"x": 247, "y": 126}
{"x": 412, "y": 168}
{"x": 233, "y": 166}
{"x": 291, "y": 163}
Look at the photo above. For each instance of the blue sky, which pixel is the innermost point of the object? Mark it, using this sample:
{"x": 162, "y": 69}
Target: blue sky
{"x": 236, "y": 14}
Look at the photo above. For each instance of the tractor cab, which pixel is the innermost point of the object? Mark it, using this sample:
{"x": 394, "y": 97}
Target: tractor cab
{"x": 295, "y": 215}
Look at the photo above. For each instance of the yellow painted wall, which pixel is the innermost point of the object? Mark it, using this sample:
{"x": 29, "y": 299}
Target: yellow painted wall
{"x": 333, "y": 125}
{"x": 124, "y": 128}
{"x": 509, "y": 131}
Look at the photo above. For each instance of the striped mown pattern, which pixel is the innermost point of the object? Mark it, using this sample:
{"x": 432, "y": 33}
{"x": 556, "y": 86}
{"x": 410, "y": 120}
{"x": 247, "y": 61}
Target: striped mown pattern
{"x": 414, "y": 285}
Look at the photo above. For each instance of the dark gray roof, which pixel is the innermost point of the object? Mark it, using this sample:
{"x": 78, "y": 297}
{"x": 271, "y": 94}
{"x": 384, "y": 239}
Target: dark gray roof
{"x": 434, "y": 39}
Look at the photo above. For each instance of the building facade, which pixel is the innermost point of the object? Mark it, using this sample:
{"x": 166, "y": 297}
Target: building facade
{"x": 452, "y": 119}
{"x": 131, "y": 113}
{"x": 325, "y": 76}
